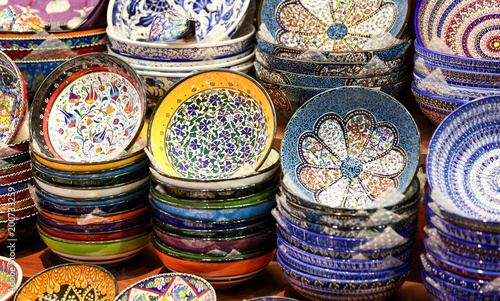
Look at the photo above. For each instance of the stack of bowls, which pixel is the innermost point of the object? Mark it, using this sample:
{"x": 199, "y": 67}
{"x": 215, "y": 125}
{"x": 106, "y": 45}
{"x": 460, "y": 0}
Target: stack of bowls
{"x": 462, "y": 246}
{"x": 161, "y": 64}
{"x": 469, "y": 62}
{"x": 296, "y": 62}
{"x": 340, "y": 235}
{"x": 92, "y": 196}
{"x": 211, "y": 216}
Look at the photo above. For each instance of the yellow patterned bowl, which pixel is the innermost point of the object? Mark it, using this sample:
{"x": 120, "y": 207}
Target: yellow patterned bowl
{"x": 70, "y": 282}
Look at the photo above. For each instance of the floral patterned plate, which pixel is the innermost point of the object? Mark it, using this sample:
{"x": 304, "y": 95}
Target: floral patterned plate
{"x": 134, "y": 17}
{"x": 169, "y": 287}
{"x": 332, "y": 25}
{"x": 89, "y": 109}
{"x": 212, "y": 124}
{"x": 346, "y": 146}
{"x": 13, "y": 99}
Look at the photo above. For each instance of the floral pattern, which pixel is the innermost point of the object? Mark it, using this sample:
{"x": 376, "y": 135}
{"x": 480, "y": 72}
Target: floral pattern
{"x": 349, "y": 162}
{"x": 214, "y": 133}
{"x": 333, "y": 25}
{"x": 92, "y": 118}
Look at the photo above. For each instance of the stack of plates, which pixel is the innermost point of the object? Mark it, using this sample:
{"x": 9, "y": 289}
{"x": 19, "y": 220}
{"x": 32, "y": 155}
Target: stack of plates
{"x": 161, "y": 64}
{"x": 470, "y": 63}
{"x": 340, "y": 233}
{"x": 310, "y": 49}
{"x": 90, "y": 170}
{"x": 17, "y": 211}
{"x": 211, "y": 209}
{"x": 463, "y": 239}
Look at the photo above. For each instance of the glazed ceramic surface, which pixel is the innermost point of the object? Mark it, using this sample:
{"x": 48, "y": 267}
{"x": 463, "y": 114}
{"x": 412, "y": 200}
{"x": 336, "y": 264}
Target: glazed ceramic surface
{"x": 170, "y": 286}
{"x": 13, "y": 99}
{"x": 11, "y": 276}
{"x": 83, "y": 38}
{"x": 70, "y": 281}
{"x": 334, "y": 26}
{"x": 469, "y": 28}
{"x": 343, "y": 148}
{"x": 231, "y": 117}
{"x": 477, "y": 79}
{"x": 34, "y": 72}
{"x": 134, "y": 17}
{"x": 471, "y": 182}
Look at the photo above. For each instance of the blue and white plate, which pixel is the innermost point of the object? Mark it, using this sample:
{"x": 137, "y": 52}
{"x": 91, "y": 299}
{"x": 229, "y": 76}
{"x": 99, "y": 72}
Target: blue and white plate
{"x": 463, "y": 160}
{"x": 345, "y": 147}
{"x": 332, "y": 25}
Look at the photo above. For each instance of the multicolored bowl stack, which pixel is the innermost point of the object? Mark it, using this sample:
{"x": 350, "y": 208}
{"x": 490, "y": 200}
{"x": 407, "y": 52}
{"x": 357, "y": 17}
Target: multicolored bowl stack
{"x": 17, "y": 211}
{"x": 347, "y": 214}
{"x": 90, "y": 170}
{"x": 460, "y": 38}
{"x": 462, "y": 246}
{"x": 211, "y": 208}
{"x": 162, "y": 55}
{"x": 305, "y": 49}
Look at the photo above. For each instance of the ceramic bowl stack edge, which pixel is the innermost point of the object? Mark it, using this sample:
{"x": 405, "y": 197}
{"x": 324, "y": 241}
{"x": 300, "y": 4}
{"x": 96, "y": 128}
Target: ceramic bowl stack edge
{"x": 325, "y": 231}
{"x": 463, "y": 233}
{"x": 91, "y": 174}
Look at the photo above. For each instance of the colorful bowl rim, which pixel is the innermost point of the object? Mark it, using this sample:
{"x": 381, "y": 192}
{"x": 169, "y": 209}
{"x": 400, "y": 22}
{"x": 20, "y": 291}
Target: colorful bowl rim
{"x": 405, "y": 38}
{"x": 272, "y": 298}
{"x": 142, "y": 72}
{"x": 87, "y": 188}
{"x": 67, "y": 223}
{"x": 82, "y": 234}
{"x": 116, "y": 217}
{"x": 494, "y": 77}
{"x": 19, "y": 279}
{"x": 28, "y": 35}
{"x": 417, "y": 74}
{"x": 64, "y": 265}
{"x": 402, "y": 81}
{"x": 82, "y": 58}
{"x": 210, "y": 287}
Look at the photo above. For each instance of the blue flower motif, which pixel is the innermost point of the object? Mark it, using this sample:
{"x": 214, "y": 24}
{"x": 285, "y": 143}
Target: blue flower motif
{"x": 260, "y": 143}
{"x": 238, "y": 118}
{"x": 132, "y": 8}
{"x": 177, "y": 151}
{"x": 182, "y": 166}
{"x": 180, "y": 130}
{"x": 227, "y": 167}
{"x": 192, "y": 109}
{"x": 201, "y": 5}
{"x": 247, "y": 132}
{"x": 238, "y": 101}
{"x": 245, "y": 152}
{"x": 179, "y": 293}
{"x": 225, "y": 135}
{"x": 214, "y": 99}
{"x": 204, "y": 125}
{"x": 257, "y": 117}
{"x": 222, "y": 116}
{"x": 194, "y": 144}
{"x": 202, "y": 163}
{"x": 230, "y": 148}
{"x": 215, "y": 146}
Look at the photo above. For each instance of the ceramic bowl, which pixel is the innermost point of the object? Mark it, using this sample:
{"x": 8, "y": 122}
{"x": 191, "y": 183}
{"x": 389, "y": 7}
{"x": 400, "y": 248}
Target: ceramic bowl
{"x": 69, "y": 281}
{"x": 436, "y": 108}
{"x": 63, "y": 88}
{"x": 352, "y": 265}
{"x": 10, "y": 197}
{"x": 212, "y": 265}
{"x": 17, "y": 204}
{"x": 56, "y": 53}
{"x": 341, "y": 275}
{"x": 240, "y": 43}
{"x": 18, "y": 213}
{"x": 16, "y": 177}
{"x": 455, "y": 61}
{"x": 288, "y": 98}
{"x": 272, "y": 298}
{"x": 20, "y": 143}
{"x": 139, "y": 219}
{"x": 96, "y": 218}
{"x": 10, "y": 169}
{"x": 104, "y": 261}
{"x": 268, "y": 170}
{"x": 177, "y": 285}
{"x": 95, "y": 248}
{"x": 248, "y": 209}
{"x": 15, "y": 187}
{"x": 316, "y": 81}
{"x": 321, "y": 68}
{"x": 14, "y": 159}
{"x": 230, "y": 281}
{"x": 90, "y": 192}
{"x": 363, "y": 56}
{"x": 12, "y": 276}
{"x": 436, "y": 292}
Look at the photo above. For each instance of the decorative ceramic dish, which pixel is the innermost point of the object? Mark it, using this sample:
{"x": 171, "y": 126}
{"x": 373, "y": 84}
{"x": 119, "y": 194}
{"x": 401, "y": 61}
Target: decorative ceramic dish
{"x": 331, "y": 26}
{"x": 231, "y": 117}
{"x": 346, "y": 146}
{"x": 468, "y": 27}
{"x": 470, "y": 184}
{"x": 90, "y": 109}
{"x": 174, "y": 286}
{"x": 11, "y": 276}
{"x": 70, "y": 281}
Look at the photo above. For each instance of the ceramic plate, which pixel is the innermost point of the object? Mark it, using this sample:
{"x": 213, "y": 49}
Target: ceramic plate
{"x": 70, "y": 282}
{"x": 463, "y": 159}
{"x": 13, "y": 98}
{"x": 211, "y": 125}
{"x": 470, "y": 28}
{"x": 134, "y": 17}
{"x": 332, "y": 25}
{"x": 89, "y": 110}
{"x": 346, "y": 146}
{"x": 169, "y": 286}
